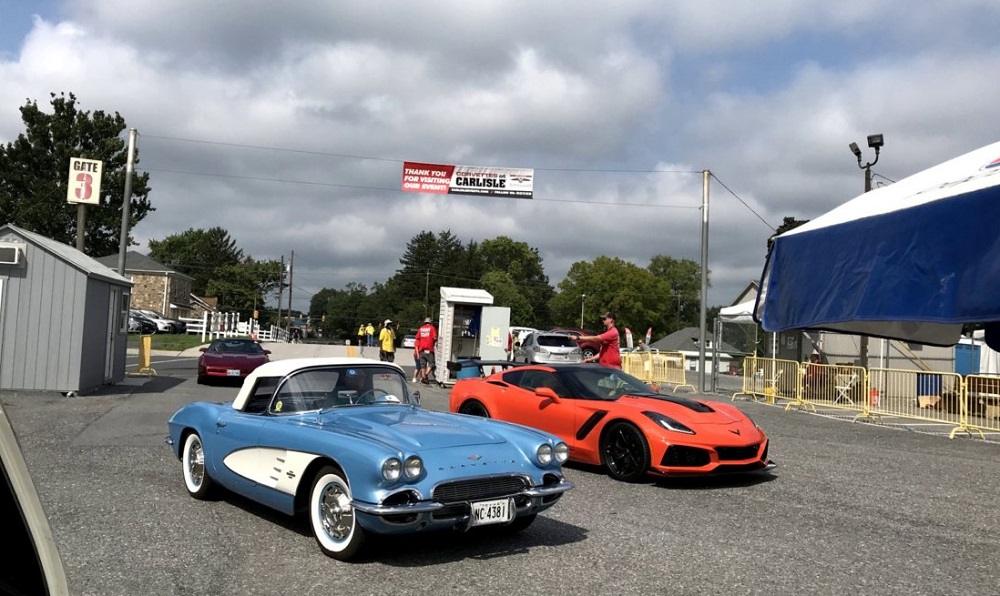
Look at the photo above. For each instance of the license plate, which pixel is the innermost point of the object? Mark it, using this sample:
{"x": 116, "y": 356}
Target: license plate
{"x": 499, "y": 511}
{"x": 233, "y": 372}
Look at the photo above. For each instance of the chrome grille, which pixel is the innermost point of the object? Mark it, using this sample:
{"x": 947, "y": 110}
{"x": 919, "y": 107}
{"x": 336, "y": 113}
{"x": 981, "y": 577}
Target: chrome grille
{"x": 478, "y": 489}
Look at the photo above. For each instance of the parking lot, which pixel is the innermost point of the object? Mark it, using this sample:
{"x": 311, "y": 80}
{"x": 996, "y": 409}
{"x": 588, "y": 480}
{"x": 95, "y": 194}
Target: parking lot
{"x": 851, "y": 509}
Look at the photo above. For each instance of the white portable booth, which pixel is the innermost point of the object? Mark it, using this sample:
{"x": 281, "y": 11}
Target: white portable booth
{"x": 469, "y": 327}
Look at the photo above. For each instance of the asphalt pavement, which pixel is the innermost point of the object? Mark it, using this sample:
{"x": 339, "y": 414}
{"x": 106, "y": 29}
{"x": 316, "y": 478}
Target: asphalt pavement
{"x": 853, "y": 508}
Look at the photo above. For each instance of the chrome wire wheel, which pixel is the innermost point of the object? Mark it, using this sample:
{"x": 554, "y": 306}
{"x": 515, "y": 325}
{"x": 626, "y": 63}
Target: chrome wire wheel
{"x": 624, "y": 452}
{"x": 196, "y": 479}
{"x": 332, "y": 517}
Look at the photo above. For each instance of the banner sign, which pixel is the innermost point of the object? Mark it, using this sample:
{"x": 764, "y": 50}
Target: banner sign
{"x": 468, "y": 180}
{"x": 84, "y": 185}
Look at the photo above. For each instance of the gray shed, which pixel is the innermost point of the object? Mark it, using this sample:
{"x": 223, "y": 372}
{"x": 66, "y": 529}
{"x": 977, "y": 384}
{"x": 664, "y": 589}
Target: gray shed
{"x": 63, "y": 316}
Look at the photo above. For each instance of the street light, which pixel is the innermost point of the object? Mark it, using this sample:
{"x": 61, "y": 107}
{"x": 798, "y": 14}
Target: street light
{"x": 583, "y": 300}
{"x": 876, "y": 142}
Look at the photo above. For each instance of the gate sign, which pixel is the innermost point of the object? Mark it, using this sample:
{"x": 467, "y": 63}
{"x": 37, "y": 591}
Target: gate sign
{"x": 84, "y": 184}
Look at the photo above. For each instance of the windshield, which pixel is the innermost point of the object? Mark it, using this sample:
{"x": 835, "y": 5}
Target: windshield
{"x": 236, "y": 346}
{"x": 601, "y": 382}
{"x": 341, "y": 386}
{"x": 555, "y": 341}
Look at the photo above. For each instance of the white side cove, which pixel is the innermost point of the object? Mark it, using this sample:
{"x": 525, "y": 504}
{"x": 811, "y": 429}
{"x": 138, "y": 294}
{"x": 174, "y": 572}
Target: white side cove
{"x": 275, "y": 468}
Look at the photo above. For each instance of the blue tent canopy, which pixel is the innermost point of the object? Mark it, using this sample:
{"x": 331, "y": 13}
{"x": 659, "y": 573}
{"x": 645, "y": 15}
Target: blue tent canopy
{"x": 912, "y": 261}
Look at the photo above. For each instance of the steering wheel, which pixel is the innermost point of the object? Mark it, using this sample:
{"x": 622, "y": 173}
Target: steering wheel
{"x": 375, "y": 396}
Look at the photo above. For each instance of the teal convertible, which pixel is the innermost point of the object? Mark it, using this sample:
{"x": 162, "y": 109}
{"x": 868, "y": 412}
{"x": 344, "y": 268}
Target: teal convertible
{"x": 345, "y": 441}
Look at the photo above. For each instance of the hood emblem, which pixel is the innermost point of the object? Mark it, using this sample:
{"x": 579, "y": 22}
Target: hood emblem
{"x": 735, "y": 431}
{"x": 475, "y": 457}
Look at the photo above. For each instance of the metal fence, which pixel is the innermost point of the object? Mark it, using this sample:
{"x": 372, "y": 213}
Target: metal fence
{"x": 969, "y": 404}
{"x": 662, "y": 368}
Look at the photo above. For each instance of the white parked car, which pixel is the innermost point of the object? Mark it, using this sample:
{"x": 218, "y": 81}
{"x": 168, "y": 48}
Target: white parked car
{"x": 164, "y": 323}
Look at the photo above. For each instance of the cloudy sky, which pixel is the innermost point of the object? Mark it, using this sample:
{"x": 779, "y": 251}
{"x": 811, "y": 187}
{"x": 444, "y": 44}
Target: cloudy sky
{"x": 288, "y": 123}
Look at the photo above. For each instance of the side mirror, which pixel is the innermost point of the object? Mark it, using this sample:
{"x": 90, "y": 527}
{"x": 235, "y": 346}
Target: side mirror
{"x": 547, "y": 392}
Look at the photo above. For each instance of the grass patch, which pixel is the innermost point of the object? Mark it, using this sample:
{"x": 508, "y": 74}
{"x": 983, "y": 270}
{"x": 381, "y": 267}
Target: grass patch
{"x": 171, "y": 342}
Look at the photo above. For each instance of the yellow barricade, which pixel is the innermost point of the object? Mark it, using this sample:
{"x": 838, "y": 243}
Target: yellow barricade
{"x": 981, "y": 403}
{"x": 662, "y": 368}
{"x": 769, "y": 379}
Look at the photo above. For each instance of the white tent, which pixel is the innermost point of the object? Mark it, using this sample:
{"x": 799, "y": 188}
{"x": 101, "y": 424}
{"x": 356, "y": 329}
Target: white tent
{"x": 738, "y": 313}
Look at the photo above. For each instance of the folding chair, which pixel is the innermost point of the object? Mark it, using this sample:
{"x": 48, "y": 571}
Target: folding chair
{"x": 844, "y": 386}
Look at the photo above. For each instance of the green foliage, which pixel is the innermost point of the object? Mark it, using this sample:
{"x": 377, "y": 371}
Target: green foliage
{"x": 522, "y": 265}
{"x": 197, "y": 253}
{"x": 640, "y": 298}
{"x": 241, "y": 287}
{"x": 34, "y": 170}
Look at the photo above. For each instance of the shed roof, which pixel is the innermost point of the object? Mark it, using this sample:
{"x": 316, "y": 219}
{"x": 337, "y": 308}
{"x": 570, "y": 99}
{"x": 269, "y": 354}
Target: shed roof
{"x": 136, "y": 262}
{"x": 69, "y": 254}
{"x": 686, "y": 340}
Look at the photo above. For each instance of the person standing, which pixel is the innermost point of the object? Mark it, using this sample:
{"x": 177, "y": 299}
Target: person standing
{"x": 416, "y": 364}
{"x": 370, "y": 332}
{"x": 387, "y": 342}
{"x": 426, "y": 340}
{"x": 608, "y": 355}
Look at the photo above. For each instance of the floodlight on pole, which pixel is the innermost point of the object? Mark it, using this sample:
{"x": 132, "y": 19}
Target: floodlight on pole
{"x": 876, "y": 142}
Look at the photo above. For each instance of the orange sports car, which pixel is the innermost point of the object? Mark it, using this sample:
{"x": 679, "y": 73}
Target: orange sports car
{"x": 614, "y": 420}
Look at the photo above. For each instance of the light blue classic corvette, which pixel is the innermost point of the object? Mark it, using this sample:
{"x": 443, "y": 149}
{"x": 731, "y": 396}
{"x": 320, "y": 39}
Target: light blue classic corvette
{"x": 345, "y": 441}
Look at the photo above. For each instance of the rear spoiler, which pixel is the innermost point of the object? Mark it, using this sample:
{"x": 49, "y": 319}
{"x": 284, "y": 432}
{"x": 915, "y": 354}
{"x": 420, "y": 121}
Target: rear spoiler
{"x": 472, "y": 367}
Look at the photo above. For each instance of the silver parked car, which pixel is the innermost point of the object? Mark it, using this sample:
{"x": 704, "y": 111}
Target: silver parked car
{"x": 541, "y": 347}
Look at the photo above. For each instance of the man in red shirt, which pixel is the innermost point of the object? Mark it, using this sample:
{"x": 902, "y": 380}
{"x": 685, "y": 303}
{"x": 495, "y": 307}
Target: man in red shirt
{"x": 426, "y": 340}
{"x": 608, "y": 356}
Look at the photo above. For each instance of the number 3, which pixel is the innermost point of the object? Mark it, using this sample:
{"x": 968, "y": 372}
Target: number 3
{"x": 85, "y": 189}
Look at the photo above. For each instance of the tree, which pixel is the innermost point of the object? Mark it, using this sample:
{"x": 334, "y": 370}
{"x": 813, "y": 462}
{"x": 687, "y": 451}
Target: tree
{"x": 633, "y": 293}
{"x": 683, "y": 278}
{"x": 34, "y": 167}
{"x": 523, "y": 266}
{"x": 428, "y": 263}
{"x": 243, "y": 286}
{"x": 198, "y": 253}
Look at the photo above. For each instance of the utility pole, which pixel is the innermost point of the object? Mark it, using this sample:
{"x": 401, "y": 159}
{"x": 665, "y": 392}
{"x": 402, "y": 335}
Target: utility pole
{"x": 126, "y": 202}
{"x": 281, "y": 289}
{"x": 705, "y": 177}
{"x": 291, "y": 273}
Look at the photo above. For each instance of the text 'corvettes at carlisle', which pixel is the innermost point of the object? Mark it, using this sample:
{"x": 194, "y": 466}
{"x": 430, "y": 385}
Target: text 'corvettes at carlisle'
{"x": 614, "y": 420}
{"x": 345, "y": 441}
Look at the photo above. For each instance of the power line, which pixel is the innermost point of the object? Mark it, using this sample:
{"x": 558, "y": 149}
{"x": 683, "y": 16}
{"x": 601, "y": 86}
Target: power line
{"x": 749, "y": 208}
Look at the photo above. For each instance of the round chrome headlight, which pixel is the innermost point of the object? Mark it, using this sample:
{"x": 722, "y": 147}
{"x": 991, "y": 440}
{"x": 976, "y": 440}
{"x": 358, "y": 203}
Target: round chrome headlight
{"x": 391, "y": 469}
{"x": 413, "y": 467}
{"x": 544, "y": 454}
{"x": 561, "y": 452}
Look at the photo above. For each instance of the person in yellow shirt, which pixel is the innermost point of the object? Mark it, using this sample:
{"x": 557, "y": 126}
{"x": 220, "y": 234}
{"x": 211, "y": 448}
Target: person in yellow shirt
{"x": 387, "y": 342}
